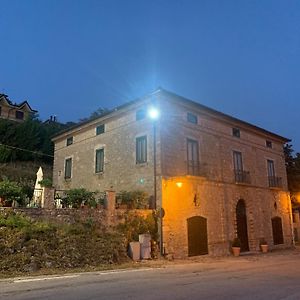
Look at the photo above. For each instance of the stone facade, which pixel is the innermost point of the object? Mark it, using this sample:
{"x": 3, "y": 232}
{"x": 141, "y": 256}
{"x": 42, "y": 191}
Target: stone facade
{"x": 198, "y": 185}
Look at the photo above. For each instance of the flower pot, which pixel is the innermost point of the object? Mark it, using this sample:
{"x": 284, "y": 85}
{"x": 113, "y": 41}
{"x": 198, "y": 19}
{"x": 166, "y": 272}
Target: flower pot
{"x": 264, "y": 248}
{"x": 236, "y": 251}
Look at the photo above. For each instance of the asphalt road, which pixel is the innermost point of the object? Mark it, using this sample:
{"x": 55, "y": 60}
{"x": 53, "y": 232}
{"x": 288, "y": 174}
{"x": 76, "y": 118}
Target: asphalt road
{"x": 271, "y": 276}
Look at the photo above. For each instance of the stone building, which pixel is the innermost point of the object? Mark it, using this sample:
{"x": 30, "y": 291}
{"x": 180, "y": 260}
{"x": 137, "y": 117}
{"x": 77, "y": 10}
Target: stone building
{"x": 14, "y": 112}
{"x": 216, "y": 177}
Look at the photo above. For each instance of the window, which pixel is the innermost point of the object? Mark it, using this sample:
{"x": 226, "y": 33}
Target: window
{"x": 236, "y": 132}
{"x": 69, "y": 141}
{"x": 271, "y": 168}
{"x": 100, "y": 129}
{"x": 99, "y": 165}
{"x": 193, "y": 157}
{"x": 269, "y": 144}
{"x": 141, "y": 149}
{"x": 240, "y": 175}
{"x": 191, "y": 118}
{"x": 140, "y": 114}
{"x": 237, "y": 161}
{"x": 19, "y": 115}
{"x": 274, "y": 181}
{"x": 68, "y": 168}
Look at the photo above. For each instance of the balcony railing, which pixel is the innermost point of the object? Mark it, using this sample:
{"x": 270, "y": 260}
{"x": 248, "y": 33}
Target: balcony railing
{"x": 242, "y": 176}
{"x": 195, "y": 168}
{"x": 275, "y": 181}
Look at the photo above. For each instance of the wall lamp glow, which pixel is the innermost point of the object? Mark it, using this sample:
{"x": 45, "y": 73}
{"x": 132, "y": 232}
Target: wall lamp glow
{"x": 153, "y": 113}
{"x": 179, "y": 184}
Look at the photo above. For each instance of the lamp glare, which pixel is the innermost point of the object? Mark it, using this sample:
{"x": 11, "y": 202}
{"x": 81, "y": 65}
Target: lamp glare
{"x": 153, "y": 113}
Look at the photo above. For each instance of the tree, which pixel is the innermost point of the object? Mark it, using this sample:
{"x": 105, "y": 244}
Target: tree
{"x": 292, "y": 163}
{"x": 11, "y": 191}
{"x": 28, "y": 141}
{"x": 96, "y": 114}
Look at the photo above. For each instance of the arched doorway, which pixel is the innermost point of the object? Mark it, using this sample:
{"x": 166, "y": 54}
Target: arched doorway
{"x": 197, "y": 236}
{"x": 241, "y": 225}
{"x": 277, "y": 231}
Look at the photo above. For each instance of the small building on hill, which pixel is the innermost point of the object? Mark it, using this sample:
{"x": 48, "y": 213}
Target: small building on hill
{"x": 215, "y": 177}
{"x": 14, "y": 112}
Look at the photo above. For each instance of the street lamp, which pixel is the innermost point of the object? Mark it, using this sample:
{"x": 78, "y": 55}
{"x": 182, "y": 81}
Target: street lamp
{"x": 154, "y": 114}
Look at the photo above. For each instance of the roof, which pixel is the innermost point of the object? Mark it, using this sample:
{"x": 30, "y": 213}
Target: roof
{"x": 184, "y": 101}
{"x": 225, "y": 116}
{"x": 18, "y": 106}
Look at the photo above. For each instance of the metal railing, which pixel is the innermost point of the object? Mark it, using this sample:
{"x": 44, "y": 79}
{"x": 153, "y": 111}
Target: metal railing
{"x": 275, "y": 181}
{"x": 242, "y": 176}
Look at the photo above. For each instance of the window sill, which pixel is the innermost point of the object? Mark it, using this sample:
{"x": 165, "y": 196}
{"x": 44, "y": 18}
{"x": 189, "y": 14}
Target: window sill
{"x": 275, "y": 187}
{"x": 140, "y": 165}
{"x": 99, "y": 174}
{"x": 243, "y": 183}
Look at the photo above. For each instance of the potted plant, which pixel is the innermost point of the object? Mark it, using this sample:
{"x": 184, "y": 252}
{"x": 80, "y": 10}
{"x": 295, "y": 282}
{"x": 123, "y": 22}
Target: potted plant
{"x": 236, "y": 246}
{"x": 263, "y": 245}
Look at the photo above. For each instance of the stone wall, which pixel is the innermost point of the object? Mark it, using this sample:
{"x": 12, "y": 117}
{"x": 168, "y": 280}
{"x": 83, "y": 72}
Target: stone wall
{"x": 186, "y": 197}
{"x": 70, "y": 216}
{"x": 121, "y": 172}
{"x": 296, "y": 225}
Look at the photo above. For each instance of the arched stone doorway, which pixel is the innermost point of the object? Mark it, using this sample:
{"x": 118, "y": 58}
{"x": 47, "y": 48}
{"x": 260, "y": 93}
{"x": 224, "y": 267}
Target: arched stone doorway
{"x": 197, "y": 236}
{"x": 241, "y": 224}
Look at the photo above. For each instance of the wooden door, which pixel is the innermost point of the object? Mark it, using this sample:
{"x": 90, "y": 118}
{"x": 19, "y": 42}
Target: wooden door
{"x": 197, "y": 236}
{"x": 277, "y": 230}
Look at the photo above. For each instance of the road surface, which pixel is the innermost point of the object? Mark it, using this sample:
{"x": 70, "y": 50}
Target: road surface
{"x": 271, "y": 276}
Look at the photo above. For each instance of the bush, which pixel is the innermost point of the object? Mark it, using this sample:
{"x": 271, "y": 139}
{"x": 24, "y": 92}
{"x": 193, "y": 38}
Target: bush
{"x": 135, "y": 225}
{"x": 14, "y": 220}
{"x": 133, "y": 199}
{"x": 236, "y": 243}
{"x": 262, "y": 241}
{"x": 46, "y": 182}
{"x": 78, "y": 197}
{"x": 10, "y": 191}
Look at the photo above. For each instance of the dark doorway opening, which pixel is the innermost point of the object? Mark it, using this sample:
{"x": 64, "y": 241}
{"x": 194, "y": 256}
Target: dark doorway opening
{"x": 197, "y": 236}
{"x": 241, "y": 223}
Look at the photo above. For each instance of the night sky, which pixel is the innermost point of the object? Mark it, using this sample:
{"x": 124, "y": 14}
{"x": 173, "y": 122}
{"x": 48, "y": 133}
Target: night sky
{"x": 68, "y": 58}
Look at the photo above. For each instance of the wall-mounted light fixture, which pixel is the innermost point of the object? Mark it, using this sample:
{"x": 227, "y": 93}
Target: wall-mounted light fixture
{"x": 179, "y": 184}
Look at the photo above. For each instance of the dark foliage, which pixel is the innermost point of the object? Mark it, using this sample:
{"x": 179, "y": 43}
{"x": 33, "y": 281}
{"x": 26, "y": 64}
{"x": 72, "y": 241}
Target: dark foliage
{"x": 32, "y": 136}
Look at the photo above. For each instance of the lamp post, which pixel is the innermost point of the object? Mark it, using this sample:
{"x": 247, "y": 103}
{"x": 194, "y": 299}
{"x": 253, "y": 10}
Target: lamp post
{"x": 154, "y": 116}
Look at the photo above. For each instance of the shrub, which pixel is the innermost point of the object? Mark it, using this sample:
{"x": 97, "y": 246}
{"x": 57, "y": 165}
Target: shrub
{"x": 10, "y": 191}
{"x": 135, "y": 225}
{"x": 133, "y": 199}
{"x": 14, "y": 220}
{"x": 262, "y": 241}
{"x": 79, "y": 197}
{"x": 236, "y": 243}
{"x": 46, "y": 182}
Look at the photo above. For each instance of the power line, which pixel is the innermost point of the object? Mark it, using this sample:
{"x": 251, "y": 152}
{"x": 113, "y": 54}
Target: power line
{"x": 25, "y": 150}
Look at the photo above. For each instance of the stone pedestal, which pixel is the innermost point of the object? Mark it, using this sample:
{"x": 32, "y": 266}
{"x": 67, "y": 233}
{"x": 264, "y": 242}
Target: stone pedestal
{"x": 110, "y": 201}
{"x": 47, "y": 198}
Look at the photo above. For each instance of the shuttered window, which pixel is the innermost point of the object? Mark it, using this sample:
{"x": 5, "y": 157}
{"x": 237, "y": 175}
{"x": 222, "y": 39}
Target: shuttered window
{"x": 99, "y": 162}
{"x": 237, "y": 161}
{"x": 141, "y": 149}
{"x": 68, "y": 168}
